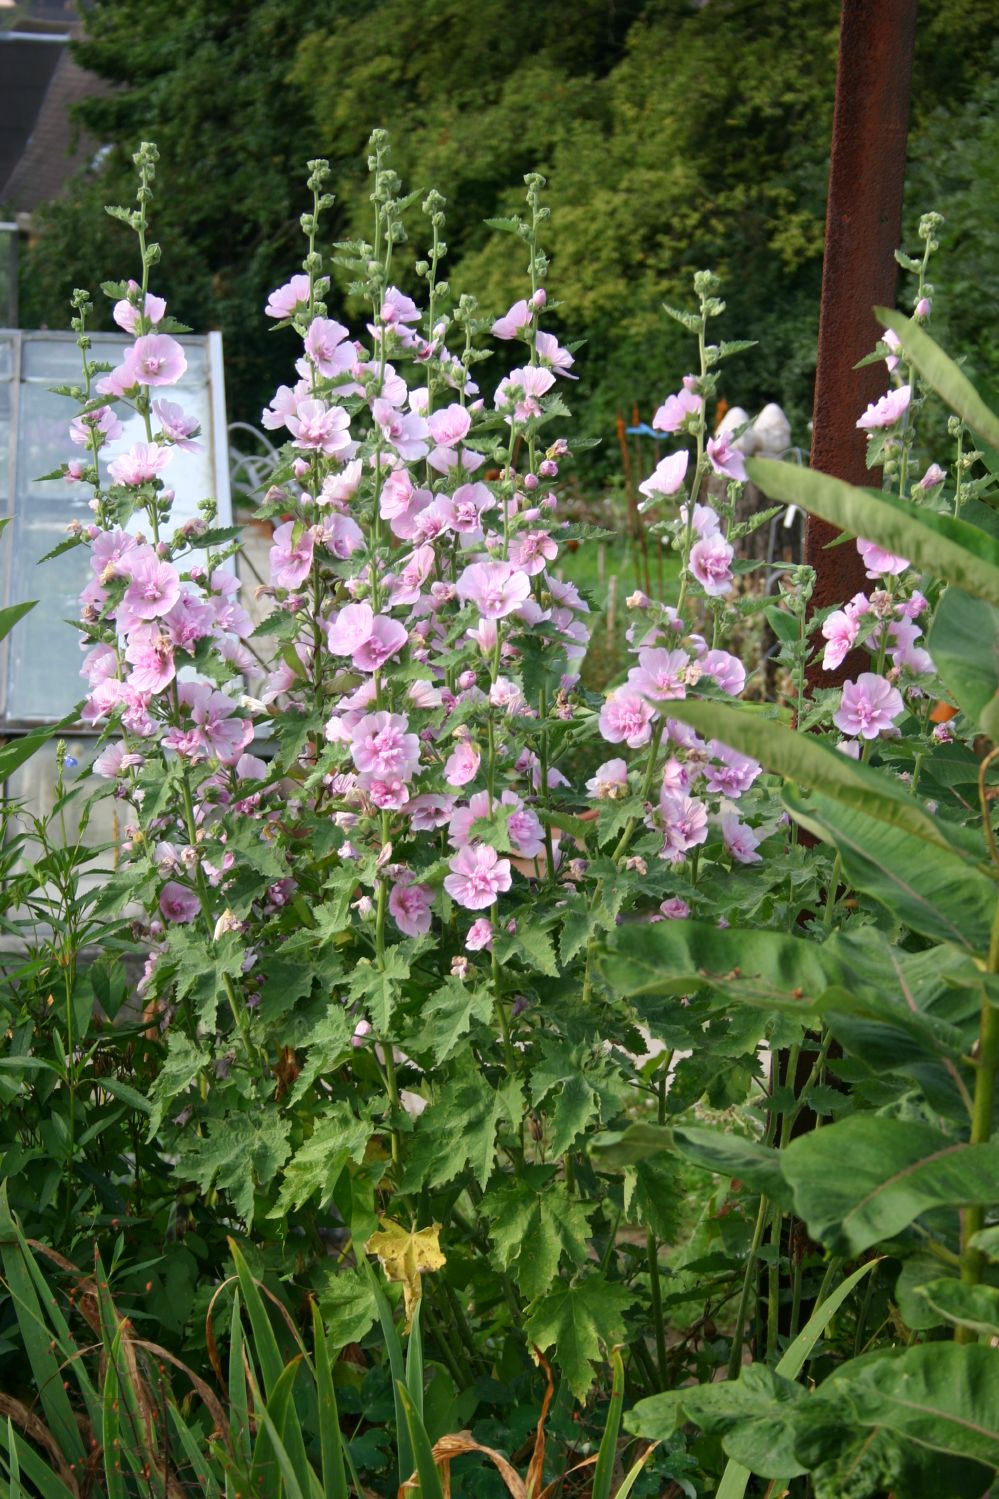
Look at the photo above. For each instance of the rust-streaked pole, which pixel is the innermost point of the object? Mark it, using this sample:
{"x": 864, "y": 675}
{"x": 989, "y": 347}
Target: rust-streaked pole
{"x": 863, "y": 226}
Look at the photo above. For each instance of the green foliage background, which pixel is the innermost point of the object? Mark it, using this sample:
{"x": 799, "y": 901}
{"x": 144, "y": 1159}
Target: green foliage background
{"x": 674, "y": 136}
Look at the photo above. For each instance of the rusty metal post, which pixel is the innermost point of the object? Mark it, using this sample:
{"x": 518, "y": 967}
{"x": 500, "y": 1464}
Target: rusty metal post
{"x": 863, "y": 225}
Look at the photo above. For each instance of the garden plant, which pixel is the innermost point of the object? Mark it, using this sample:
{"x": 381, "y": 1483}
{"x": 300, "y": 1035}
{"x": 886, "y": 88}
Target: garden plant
{"x": 460, "y": 1081}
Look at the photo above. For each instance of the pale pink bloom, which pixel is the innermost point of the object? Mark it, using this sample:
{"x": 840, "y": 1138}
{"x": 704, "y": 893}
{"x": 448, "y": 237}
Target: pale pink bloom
{"x": 290, "y": 560}
{"x": 103, "y": 421}
{"x": 409, "y": 907}
{"x": 923, "y": 308}
{"x": 424, "y": 695}
{"x": 178, "y": 904}
{"x": 888, "y": 410}
{"x": 110, "y": 761}
{"x": 150, "y": 654}
{"x": 706, "y": 522}
{"x": 381, "y": 746}
{"x": 427, "y": 812}
{"x": 284, "y": 404}
{"x": 531, "y": 551}
{"x": 878, "y": 562}
{"x": 711, "y": 564}
{"x": 725, "y": 458}
{"x": 462, "y": 764}
{"x": 685, "y": 825}
{"x": 319, "y": 428}
{"x": 660, "y": 674}
{"x": 75, "y": 470}
{"x": 142, "y": 462}
{"x": 342, "y": 536}
{"x": 734, "y": 773}
{"x": 386, "y": 640}
{"x": 284, "y": 302}
{"x": 495, "y": 588}
{"x": 675, "y": 410}
{"x": 893, "y": 343}
{"x": 467, "y": 506}
{"x": 119, "y": 381}
{"x": 725, "y": 670}
{"x": 178, "y": 426}
{"x": 850, "y": 748}
{"x": 933, "y": 476}
{"x": 342, "y": 486}
{"x": 361, "y": 1029}
{"x": 220, "y": 731}
{"x": 189, "y": 621}
{"x": 450, "y": 426}
{"x": 406, "y": 432}
{"x": 675, "y": 909}
{"x": 126, "y": 313}
{"x": 677, "y": 777}
{"x": 155, "y": 585}
{"x": 551, "y": 353}
{"x": 913, "y": 607}
{"x": 397, "y": 494}
{"x": 413, "y": 573}
{"x": 484, "y": 635}
{"x": 740, "y": 840}
{"x": 626, "y": 718}
{"x": 325, "y": 346}
{"x": 840, "y": 631}
{"x": 156, "y": 359}
{"x": 869, "y": 706}
{"x": 389, "y": 793}
{"x": 478, "y": 875}
{"x": 905, "y": 652}
{"x": 512, "y": 322}
{"x": 480, "y": 935}
{"x": 532, "y": 382}
{"x": 99, "y": 664}
{"x": 398, "y": 308}
{"x": 667, "y": 477}
{"x": 507, "y": 695}
{"x": 251, "y": 768}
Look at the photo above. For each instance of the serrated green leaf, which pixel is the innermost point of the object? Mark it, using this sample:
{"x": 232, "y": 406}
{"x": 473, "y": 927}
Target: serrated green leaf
{"x": 575, "y": 1108}
{"x": 377, "y": 989}
{"x": 234, "y": 1153}
{"x": 347, "y": 1303}
{"x": 448, "y": 1014}
{"x": 582, "y": 1321}
{"x": 534, "y": 1224}
{"x": 313, "y": 1171}
{"x": 184, "y": 1062}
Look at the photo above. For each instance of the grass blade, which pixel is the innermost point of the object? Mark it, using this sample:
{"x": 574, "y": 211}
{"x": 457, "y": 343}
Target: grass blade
{"x": 604, "y": 1472}
{"x": 330, "y": 1436}
{"x": 426, "y": 1468}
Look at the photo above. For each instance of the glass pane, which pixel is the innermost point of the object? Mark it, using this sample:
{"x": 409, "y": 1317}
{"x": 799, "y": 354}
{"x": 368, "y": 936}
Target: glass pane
{"x": 44, "y": 509}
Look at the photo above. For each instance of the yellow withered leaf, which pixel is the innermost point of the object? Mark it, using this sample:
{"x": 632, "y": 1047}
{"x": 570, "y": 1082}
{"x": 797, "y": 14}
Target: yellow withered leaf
{"x": 405, "y": 1255}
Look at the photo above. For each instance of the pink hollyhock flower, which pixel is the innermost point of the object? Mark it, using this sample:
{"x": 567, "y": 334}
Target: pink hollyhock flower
{"x": 685, "y": 825}
{"x": 338, "y": 488}
{"x": 350, "y": 628}
{"x": 407, "y": 433}
{"x": 468, "y": 504}
{"x": 428, "y": 812}
{"x": 626, "y": 718}
{"x": 142, "y": 462}
{"x": 913, "y": 607}
{"x": 840, "y": 631}
{"x": 155, "y": 585}
{"x": 325, "y": 346}
{"x": 219, "y": 731}
{"x": 675, "y": 909}
{"x": 386, "y": 640}
{"x": 126, "y": 313}
{"x": 480, "y": 935}
{"x": 178, "y": 426}
{"x": 462, "y": 764}
{"x": 725, "y": 458}
{"x": 389, "y": 793}
{"x": 319, "y": 428}
{"x": 905, "y": 651}
{"x": 886, "y": 411}
{"x": 893, "y": 343}
{"x": 734, "y": 774}
{"x": 740, "y": 840}
{"x": 711, "y": 564}
{"x": 99, "y": 664}
{"x": 284, "y": 404}
{"x": 290, "y": 560}
{"x": 878, "y": 562}
{"x": 119, "y": 381}
{"x": 868, "y": 707}
{"x": 398, "y": 308}
{"x": 150, "y": 654}
{"x": 495, "y": 588}
{"x": 675, "y": 410}
{"x": 156, "y": 359}
{"x": 381, "y": 746}
{"x": 450, "y": 426}
{"x": 103, "y": 421}
{"x": 933, "y": 476}
{"x": 850, "y": 748}
{"x": 413, "y": 573}
{"x": 409, "y": 907}
{"x": 660, "y": 674}
{"x": 110, "y": 761}
{"x": 285, "y": 301}
{"x": 706, "y": 522}
{"x": 668, "y": 476}
{"x": 251, "y": 768}
{"x": 551, "y": 353}
{"x": 725, "y": 670}
{"x": 342, "y": 536}
{"x": 178, "y": 904}
{"x": 531, "y": 551}
{"x": 512, "y": 322}
{"x": 532, "y": 382}
{"x": 478, "y": 875}
{"x": 677, "y": 777}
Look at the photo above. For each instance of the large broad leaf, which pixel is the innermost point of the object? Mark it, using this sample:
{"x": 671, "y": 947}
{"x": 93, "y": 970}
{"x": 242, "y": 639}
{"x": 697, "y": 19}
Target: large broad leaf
{"x": 940, "y": 371}
{"x": 864, "y": 1179}
{"x": 806, "y": 761}
{"x": 976, "y": 1307}
{"x": 716, "y": 1150}
{"x": 947, "y": 548}
{"x": 938, "y": 894}
{"x": 964, "y": 644}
